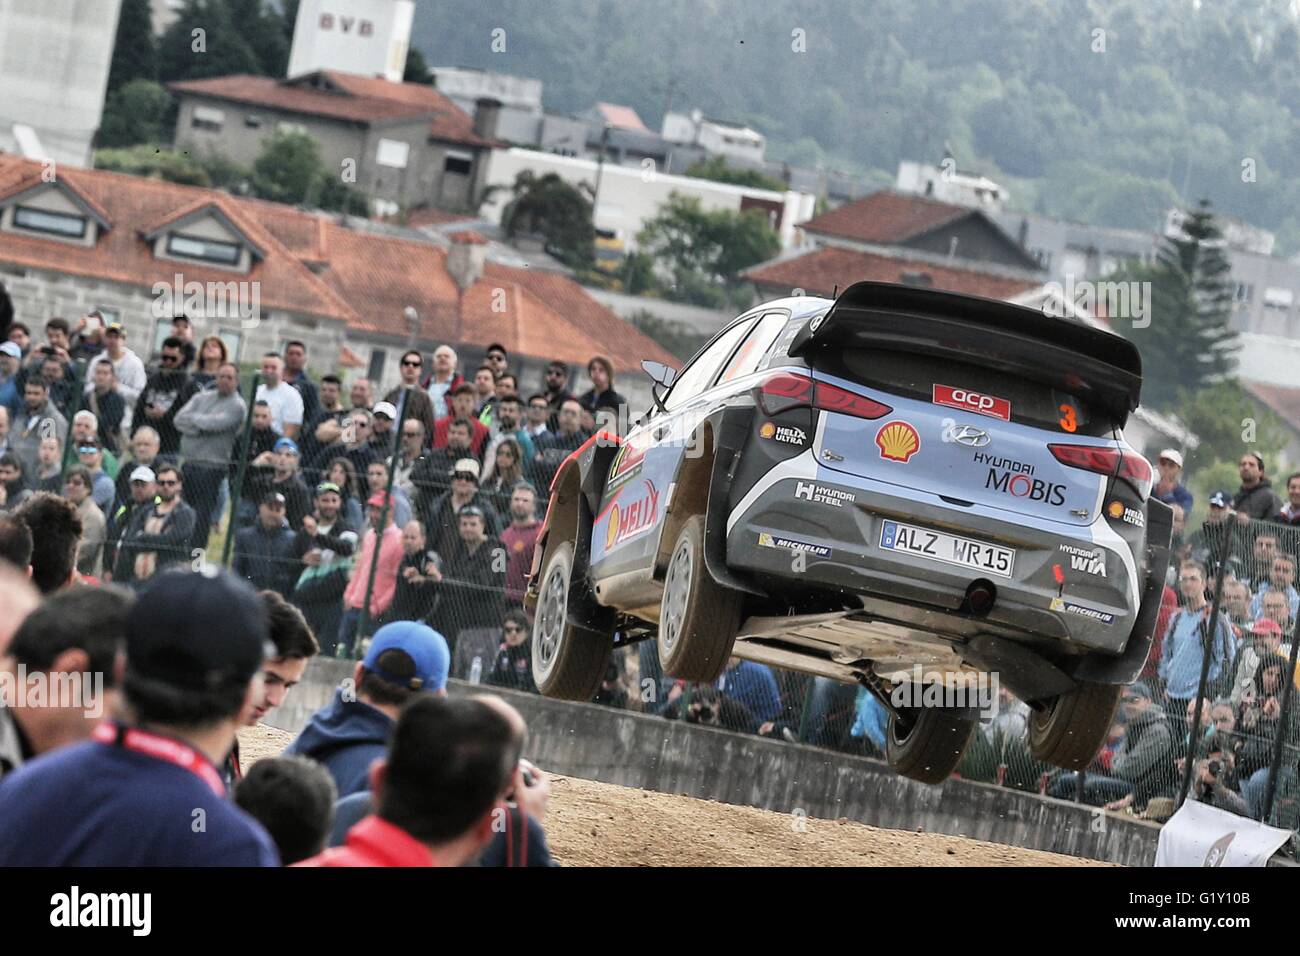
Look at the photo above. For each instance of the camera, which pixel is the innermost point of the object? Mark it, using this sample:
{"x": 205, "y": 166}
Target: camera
{"x": 1214, "y": 767}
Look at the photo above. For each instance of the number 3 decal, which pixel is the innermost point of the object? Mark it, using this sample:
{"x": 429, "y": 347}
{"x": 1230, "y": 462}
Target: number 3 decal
{"x": 1068, "y": 422}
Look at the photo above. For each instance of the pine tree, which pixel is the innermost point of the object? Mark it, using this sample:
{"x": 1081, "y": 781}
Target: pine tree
{"x": 1189, "y": 344}
{"x": 204, "y": 42}
{"x": 135, "y": 52}
{"x": 262, "y": 30}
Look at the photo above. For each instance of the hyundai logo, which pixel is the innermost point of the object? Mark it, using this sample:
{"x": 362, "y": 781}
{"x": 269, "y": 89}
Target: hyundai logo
{"x": 970, "y": 436}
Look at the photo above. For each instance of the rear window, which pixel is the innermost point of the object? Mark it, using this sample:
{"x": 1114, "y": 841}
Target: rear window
{"x": 962, "y": 385}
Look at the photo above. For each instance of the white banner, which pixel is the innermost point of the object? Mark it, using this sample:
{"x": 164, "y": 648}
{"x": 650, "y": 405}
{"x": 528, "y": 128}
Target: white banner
{"x": 1202, "y": 835}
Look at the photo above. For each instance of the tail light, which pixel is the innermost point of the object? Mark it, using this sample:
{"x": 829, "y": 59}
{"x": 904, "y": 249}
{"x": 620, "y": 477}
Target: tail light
{"x": 785, "y": 390}
{"x": 1112, "y": 462}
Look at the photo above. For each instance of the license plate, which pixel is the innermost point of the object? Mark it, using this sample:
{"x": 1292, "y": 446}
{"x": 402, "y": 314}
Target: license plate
{"x": 949, "y": 548}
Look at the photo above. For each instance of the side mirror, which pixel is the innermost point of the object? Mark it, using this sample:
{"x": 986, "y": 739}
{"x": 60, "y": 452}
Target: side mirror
{"x": 659, "y": 373}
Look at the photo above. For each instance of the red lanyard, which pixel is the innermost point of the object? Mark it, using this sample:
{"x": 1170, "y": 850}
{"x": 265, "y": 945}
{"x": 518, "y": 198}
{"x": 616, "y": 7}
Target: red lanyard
{"x": 161, "y": 748}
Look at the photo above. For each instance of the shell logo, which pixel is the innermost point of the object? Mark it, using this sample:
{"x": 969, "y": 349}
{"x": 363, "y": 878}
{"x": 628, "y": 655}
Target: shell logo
{"x": 611, "y": 533}
{"x": 1115, "y": 509}
{"x": 768, "y": 430}
{"x": 897, "y": 441}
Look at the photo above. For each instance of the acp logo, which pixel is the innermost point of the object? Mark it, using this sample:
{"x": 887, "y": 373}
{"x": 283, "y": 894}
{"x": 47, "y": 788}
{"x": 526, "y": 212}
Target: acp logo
{"x": 975, "y": 402}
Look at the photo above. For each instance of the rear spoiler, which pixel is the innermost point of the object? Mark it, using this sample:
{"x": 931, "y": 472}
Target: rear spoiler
{"x": 1100, "y": 367}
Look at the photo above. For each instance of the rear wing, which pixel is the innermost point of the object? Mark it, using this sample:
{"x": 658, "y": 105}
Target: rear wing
{"x": 1100, "y": 367}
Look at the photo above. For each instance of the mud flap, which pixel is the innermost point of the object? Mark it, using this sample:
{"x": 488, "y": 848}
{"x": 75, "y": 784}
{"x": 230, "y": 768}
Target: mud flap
{"x": 1124, "y": 668}
{"x": 582, "y": 609}
{"x": 732, "y": 429}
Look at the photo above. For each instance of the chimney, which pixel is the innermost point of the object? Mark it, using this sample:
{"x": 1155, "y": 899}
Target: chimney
{"x": 465, "y": 258}
{"x": 487, "y": 117}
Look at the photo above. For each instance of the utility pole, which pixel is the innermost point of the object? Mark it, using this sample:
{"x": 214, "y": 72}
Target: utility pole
{"x": 600, "y": 172}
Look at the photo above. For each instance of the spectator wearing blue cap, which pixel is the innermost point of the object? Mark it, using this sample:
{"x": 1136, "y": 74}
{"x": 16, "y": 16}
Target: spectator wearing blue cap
{"x": 145, "y": 790}
{"x": 266, "y": 553}
{"x": 405, "y": 659}
{"x": 286, "y": 478}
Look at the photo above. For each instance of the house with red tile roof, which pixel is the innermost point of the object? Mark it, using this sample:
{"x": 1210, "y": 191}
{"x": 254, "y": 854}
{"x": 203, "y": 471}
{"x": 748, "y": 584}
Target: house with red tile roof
{"x": 899, "y": 237}
{"x": 258, "y": 274}
{"x": 401, "y": 144}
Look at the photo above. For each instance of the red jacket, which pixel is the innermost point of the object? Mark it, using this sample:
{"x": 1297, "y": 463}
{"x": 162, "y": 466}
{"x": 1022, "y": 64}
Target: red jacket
{"x": 375, "y": 842}
{"x": 478, "y": 435}
{"x": 1168, "y": 608}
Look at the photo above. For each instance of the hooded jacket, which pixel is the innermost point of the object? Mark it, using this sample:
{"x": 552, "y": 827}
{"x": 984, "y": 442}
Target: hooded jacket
{"x": 345, "y": 737}
{"x": 1260, "y": 502}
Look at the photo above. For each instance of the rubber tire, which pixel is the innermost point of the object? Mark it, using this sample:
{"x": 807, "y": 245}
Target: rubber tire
{"x": 582, "y": 655}
{"x": 933, "y": 748}
{"x": 703, "y": 642}
{"x": 1074, "y": 726}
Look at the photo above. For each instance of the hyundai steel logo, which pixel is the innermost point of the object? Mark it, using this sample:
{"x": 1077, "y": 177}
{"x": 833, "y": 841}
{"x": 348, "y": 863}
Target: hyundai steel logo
{"x": 969, "y": 436}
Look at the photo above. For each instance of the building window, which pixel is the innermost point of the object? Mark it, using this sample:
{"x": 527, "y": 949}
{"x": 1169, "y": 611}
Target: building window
{"x": 459, "y": 163}
{"x": 206, "y": 118}
{"x": 393, "y": 153}
{"x": 253, "y": 121}
{"x": 284, "y": 127}
{"x": 376, "y": 370}
{"x": 209, "y": 250}
{"x": 1278, "y": 299}
{"x": 1245, "y": 292}
{"x": 55, "y": 223}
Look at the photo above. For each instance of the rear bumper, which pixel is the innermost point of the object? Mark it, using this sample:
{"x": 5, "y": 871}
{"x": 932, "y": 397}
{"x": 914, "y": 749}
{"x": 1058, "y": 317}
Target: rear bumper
{"x": 791, "y": 545}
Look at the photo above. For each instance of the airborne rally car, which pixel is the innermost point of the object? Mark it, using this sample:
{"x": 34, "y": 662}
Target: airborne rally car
{"x": 901, "y": 479}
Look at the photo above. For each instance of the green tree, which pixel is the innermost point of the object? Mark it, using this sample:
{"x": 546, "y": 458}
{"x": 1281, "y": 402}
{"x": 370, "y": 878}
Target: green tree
{"x": 135, "y": 52}
{"x": 262, "y": 28}
{"x": 153, "y": 162}
{"x": 1228, "y": 423}
{"x": 705, "y": 250}
{"x": 716, "y": 169}
{"x": 288, "y": 169}
{"x": 1187, "y": 345}
{"x": 204, "y": 42}
{"x": 552, "y": 208}
{"x": 417, "y": 71}
{"x": 139, "y": 112}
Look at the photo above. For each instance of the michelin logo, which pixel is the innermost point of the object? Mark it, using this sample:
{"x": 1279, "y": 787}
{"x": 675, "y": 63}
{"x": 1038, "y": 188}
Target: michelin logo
{"x": 820, "y": 493}
{"x": 766, "y": 540}
{"x": 1069, "y": 607}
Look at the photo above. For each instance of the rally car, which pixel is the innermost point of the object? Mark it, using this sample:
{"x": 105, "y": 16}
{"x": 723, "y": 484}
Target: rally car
{"x": 899, "y": 481}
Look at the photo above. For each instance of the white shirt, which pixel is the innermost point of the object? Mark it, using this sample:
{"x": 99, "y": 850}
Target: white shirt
{"x": 285, "y": 402}
{"x": 131, "y": 376}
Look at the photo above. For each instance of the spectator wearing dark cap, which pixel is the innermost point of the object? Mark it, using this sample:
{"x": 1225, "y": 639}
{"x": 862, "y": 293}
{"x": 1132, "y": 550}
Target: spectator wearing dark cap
{"x": 183, "y": 330}
{"x": 1255, "y": 498}
{"x": 1145, "y": 760}
{"x": 437, "y": 792}
{"x": 145, "y": 791}
{"x": 294, "y": 646}
{"x": 265, "y": 551}
{"x": 462, "y": 407}
{"x": 56, "y": 534}
{"x": 405, "y": 659}
{"x": 165, "y": 394}
{"x": 441, "y": 519}
{"x": 1208, "y": 540}
{"x": 474, "y": 579}
{"x": 70, "y": 640}
{"x": 1290, "y": 512}
{"x": 293, "y": 799}
{"x": 381, "y": 546}
{"x": 159, "y": 534}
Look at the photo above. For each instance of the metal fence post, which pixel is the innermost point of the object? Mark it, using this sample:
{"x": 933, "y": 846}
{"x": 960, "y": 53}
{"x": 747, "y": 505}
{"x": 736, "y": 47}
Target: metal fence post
{"x": 1207, "y": 654}
{"x": 364, "y": 622}
{"x": 237, "y": 491}
{"x": 1279, "y": 745}
{"x": 78, "y": 382}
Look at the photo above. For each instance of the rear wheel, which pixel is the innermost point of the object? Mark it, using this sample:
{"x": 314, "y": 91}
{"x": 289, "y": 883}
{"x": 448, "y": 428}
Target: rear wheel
{"x": 1070, "y": 730}
{"x": 926, "y": 743}
{"x": 698, "y": 618}
{"x": 569, "y": 660}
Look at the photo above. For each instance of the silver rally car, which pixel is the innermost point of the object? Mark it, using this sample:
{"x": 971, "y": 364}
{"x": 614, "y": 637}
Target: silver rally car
{"x": 898, "y": 482}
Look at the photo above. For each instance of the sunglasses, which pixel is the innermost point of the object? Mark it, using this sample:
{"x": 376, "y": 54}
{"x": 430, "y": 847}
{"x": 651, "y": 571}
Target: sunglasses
{"x": 411, "y": 363}
{"x": 464, "y": 476}
{"x": 169, "y": 359}
{"x": 410, "y": 434}
{"x": 512, "y": 628}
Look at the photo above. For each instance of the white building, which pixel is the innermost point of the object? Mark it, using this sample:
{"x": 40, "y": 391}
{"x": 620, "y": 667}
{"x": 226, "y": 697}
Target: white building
{"x": 629, "y": 197}
{"x": 947, "y": 183}
{"x": 54, "y": 61}
{"x": 716, "y": 136}
{"x": 365, "y": 37}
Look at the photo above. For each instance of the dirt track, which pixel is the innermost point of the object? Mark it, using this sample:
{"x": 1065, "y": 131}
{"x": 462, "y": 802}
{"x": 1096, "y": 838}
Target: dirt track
{"x": 598, "y": 824}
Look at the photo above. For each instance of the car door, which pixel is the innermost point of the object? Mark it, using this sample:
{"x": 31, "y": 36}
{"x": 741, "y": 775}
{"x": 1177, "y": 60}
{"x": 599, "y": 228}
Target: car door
{"x": 625, "y": 534}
